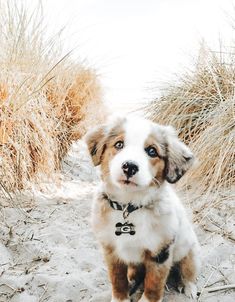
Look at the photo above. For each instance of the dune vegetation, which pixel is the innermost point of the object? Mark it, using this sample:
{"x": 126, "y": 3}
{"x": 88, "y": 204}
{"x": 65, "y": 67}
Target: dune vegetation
{"x": 201, "y": 106}
{"x": 47, "y": 100}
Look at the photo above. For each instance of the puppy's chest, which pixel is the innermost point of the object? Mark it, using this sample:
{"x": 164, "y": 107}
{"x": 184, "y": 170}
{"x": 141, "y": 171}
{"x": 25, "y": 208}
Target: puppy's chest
{"x": 141, "y": 230}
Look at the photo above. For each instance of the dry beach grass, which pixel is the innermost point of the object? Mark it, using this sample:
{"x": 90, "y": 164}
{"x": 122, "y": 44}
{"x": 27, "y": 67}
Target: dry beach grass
{"x": 201, "y": 106}
{"x": 46, "y": 100}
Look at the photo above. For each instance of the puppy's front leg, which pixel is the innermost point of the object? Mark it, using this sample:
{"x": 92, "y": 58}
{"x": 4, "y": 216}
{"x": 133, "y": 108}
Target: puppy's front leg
{"x": 118, "y": 276}
{"x": 189, "y": 267}
{"x": 155, "y": 279}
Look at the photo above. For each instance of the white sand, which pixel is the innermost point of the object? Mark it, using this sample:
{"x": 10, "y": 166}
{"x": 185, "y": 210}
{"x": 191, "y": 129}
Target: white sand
{"x": 48, "y": 252}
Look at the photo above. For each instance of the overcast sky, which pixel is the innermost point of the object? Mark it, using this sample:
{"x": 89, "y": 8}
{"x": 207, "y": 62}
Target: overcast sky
{"x": 137, "y": 44}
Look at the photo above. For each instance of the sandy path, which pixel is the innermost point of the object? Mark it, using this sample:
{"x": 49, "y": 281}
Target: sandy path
{"x": 51, "y": 255}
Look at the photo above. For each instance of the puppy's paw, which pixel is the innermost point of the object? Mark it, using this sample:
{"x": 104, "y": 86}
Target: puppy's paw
{"x": 190, "y": 290}
{"x": 144, "y": 299}
{"x": 117, "y": 300}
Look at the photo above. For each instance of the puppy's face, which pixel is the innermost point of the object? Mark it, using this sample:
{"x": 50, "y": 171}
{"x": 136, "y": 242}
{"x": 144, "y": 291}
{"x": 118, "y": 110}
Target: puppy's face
{"x": 135, "y": 154}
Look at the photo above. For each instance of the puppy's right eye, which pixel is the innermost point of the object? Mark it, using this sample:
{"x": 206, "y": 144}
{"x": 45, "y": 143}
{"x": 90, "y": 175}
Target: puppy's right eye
{"x": 151, "y": 151}
{"x": 119, "y": 145}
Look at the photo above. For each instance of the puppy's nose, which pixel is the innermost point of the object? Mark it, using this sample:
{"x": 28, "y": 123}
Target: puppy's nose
{"x": 129, "y": 168}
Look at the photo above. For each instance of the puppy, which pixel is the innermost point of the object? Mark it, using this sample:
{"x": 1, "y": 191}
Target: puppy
{"x": 137, "y": 217}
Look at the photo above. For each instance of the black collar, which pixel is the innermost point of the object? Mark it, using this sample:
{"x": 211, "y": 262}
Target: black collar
{"x": 127, "y": 209}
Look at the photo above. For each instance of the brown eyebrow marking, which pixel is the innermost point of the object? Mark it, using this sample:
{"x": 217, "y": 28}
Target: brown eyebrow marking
{"x": 113, "y": 139}
{"x": 110, "y": 151}
{"x": 116, "y": 131}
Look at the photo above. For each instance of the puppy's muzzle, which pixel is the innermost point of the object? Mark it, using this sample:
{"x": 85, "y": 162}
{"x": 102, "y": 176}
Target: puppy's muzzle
{"x": 129, "y": 168}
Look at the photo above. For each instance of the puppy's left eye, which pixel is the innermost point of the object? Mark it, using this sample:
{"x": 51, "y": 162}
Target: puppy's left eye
{"x": 151, "y": 151}
{"x": 119, "y": 145}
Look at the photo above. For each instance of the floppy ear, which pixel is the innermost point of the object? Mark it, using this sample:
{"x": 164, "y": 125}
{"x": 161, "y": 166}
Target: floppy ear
{"x": 95, "y": 140}
{"x": 179, "y": 157}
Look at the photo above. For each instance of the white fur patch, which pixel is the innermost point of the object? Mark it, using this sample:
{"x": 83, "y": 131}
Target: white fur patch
{"x": 164, "y": 221}
{"x": 136, "y": 133}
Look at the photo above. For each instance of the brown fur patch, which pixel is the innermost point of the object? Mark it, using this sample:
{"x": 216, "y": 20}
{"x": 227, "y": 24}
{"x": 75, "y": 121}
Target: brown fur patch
{"x": 156, "y": 275}
{"x": 155, "y": 280}
{"x": 117, "y": 273}
{"x": 157, "y": 163}
{"x": 136, "y": 273}
{"x": 110, "y": 152}
{"x": 98, "y": 141}
{"x": 116, "y": 130}
{"x": 188, "y": 268}
{"x": 96, "y": 144}
{"x": 159, "y": 166}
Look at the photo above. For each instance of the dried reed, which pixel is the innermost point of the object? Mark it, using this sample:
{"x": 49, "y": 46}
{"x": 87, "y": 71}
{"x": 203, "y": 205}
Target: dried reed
{"x": 46, "y": 100}
{"x": 202, "y": 108}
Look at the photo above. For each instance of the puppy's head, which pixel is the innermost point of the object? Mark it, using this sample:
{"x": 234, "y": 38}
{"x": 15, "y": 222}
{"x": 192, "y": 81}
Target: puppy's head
{"x": 135, "y": 154}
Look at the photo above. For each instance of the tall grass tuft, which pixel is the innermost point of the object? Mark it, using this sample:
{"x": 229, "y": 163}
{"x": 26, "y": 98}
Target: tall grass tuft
{"x": 201, "y": 106}
{"x": 46, "y": 99}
